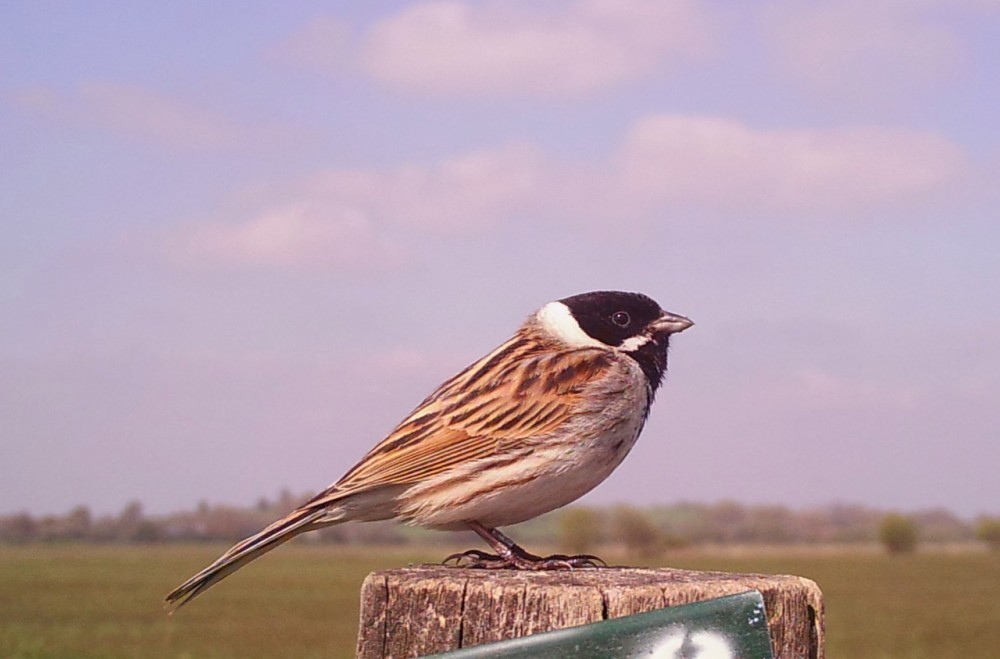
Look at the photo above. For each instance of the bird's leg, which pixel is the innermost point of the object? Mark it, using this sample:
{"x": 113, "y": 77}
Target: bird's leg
{"x": 555, "y": 561}
{"x": 474, "y": 558}
{"x": 510, "y": 555}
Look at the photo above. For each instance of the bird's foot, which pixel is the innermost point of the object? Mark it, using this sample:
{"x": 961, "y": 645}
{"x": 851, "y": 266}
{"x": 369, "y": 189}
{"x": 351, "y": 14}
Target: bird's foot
{"x": 475, "y": 559}
{"x": 480, "y": 560}
{"x": 562, "y": 561}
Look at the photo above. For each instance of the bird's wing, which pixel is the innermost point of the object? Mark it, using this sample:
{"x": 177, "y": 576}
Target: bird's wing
{"x": 518, "y": 393}
{"x": 515, "y": 394}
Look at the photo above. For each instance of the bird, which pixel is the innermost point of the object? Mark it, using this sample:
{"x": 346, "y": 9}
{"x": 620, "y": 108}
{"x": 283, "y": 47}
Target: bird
{"x": 530, "y": 427}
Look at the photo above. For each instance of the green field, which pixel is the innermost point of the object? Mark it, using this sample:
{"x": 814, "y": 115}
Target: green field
{"x": 301, "y": 601}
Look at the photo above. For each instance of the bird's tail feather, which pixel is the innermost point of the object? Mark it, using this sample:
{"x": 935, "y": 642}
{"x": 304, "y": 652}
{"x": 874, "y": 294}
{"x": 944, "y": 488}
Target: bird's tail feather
{"x": 299, "y": 521}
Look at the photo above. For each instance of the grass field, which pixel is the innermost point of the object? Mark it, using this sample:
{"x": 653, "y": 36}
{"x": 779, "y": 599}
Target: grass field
{"x": 301, "y": 601}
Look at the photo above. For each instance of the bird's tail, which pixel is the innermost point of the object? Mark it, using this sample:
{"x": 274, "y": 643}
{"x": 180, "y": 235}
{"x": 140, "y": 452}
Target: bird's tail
{"x": 299, "y": 521}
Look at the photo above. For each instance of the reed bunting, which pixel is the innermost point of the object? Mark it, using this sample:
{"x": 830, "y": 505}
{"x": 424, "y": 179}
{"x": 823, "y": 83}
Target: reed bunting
{"x": 530, "y": 427}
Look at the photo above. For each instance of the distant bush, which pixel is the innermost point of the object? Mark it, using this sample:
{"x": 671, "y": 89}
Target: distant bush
{"x": 988, "y": 530}
{"x": 580, "y": 529}
{"x": 18, "y": 529}
{"x": 898, "y": 533}
{"x": 636, "y": 531}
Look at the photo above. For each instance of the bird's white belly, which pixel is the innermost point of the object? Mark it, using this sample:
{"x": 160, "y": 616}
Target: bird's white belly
{"x": 500, "y": 490}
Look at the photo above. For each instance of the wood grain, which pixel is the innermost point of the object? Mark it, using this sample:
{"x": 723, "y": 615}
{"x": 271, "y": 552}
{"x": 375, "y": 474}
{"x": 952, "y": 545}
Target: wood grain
{"x": 414, "y": 611}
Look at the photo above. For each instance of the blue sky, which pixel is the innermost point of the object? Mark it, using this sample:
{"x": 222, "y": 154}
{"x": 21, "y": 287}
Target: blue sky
{"x": 242, "y": 241}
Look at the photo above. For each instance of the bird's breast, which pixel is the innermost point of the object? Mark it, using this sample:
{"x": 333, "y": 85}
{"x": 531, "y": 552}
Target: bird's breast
{"x": 517, "y": 484}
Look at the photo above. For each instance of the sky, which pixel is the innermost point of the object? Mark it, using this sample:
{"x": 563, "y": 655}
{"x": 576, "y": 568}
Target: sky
{"x": 241, "y": 241}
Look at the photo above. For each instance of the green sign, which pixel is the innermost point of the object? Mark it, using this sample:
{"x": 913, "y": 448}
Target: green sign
{"x": 733, "y": 627}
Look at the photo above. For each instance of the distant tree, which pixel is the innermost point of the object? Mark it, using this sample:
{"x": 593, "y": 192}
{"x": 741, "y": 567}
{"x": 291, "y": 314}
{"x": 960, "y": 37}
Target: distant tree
{"x": 132, "y": 513}
{"x": 105, "y": 529}
{"x": 49, "y": 528}
{"x": 728, "y": 522}
{"x": 146, "y": 531}
{"x": 287, "y": 501}
{"x": 580, "y": 529}
{"x": 684, "y": 523}
{"x": 78, "y": 523}
{"x": 128, "y": 522}
{"x": 18, "y": 529}
{"x": 940, "y": 525}
{"x": 336, "y": 534}
{"x": 853, "y": 523}
{"x": 898, "y": 533}
{"x": 988, "y": 530}
{"x": 772, "y": 524}
{"x": 636, "y": 531}
{"x": 230, "y": 523}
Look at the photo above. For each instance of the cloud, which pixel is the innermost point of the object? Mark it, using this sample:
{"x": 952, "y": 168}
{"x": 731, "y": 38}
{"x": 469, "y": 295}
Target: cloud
{"x": 666, "y": 165}
{"x": 286, "y": 236}
{"x": 725, "y": 165}
{"x": 323, "y": 43}
{"x": 457, "y": 193}
{"x": 814, "y": 388}
{"x": 355, "y": 218}
{"x": 859, "y": 52}
{"x": 148, "y": 116}
{"x": 714, "y": 165}
{"x": 496, "y": 48}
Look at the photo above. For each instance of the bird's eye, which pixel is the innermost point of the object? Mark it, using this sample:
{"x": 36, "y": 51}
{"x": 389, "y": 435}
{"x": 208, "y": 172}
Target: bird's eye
{"x": 621, "y": 319}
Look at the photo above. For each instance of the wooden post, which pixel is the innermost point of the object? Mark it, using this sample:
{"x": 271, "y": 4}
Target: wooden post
{"x": 422, "y": 610}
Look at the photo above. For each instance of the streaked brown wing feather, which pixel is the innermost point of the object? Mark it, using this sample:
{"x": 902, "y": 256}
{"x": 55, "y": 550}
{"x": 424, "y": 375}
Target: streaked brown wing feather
{"x": 519, "y": 392}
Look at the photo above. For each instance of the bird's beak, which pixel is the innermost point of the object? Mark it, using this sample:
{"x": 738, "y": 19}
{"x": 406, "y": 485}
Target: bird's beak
{"x": 671, "y": 323}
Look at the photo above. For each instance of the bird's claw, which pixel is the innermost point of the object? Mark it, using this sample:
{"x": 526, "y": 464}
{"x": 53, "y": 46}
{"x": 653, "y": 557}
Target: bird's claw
{"x": 472, "y": 558}
{"x": 480, "y": 560}
{"x": 576, "y": 561}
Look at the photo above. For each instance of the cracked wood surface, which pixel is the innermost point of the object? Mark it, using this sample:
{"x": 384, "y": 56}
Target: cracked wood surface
{"x": 415, "y": 611}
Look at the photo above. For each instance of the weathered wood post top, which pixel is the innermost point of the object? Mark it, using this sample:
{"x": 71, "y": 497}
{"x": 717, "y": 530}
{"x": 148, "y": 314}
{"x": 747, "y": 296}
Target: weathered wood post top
{"x": 422, "y": 610}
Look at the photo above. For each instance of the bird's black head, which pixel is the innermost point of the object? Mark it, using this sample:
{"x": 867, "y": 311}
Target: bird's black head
{"x": 613, "y": 317}
{"x": 630, "y": 322}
